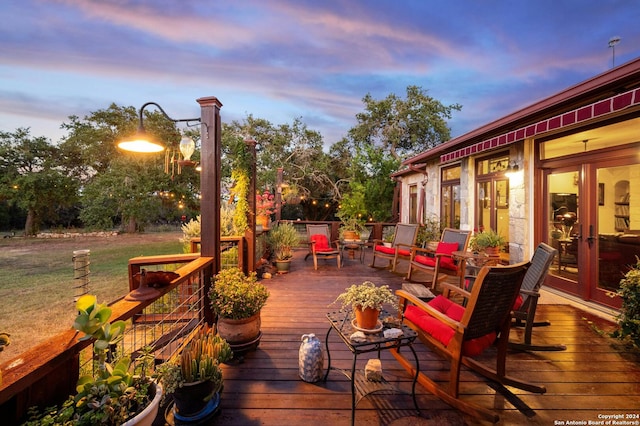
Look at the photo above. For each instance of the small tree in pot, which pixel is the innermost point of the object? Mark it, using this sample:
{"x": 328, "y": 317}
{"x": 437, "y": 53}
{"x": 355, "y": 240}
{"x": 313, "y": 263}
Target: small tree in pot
{"x": 283, "y": 238}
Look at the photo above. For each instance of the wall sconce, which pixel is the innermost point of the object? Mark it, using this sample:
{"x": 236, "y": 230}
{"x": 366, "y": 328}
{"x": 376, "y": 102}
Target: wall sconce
{"x": 143, "y": 142}
{"x": 512, "y": 170}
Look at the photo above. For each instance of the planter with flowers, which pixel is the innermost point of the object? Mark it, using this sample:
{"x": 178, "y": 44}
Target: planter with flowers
{"x": 367, "y": 300}
{"x": 237, "y": 300}
{"x": 265, "y": 204}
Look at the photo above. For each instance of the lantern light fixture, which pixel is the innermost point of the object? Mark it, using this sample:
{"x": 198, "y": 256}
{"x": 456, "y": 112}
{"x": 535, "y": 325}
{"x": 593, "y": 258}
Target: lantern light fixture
{"x": 143, "y": 142}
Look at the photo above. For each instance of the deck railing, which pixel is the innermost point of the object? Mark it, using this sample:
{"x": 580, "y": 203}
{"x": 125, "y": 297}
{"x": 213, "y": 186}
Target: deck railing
{"x": 45, "y": 374}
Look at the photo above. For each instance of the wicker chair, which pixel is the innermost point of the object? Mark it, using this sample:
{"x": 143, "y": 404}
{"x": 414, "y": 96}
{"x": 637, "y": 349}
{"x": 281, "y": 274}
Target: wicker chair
{"x": 404, "y": 238}
{"x": 459, "y": 333}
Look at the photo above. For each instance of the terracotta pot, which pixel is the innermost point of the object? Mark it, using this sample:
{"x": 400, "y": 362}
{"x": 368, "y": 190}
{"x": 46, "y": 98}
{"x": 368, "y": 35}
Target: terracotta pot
{"x": 350, "y": 235}
{"x": 240, "y": 331}
{"x": 367, "y": 318}
{"x": 492, "y": 251}
{"x": 263, "y": 220}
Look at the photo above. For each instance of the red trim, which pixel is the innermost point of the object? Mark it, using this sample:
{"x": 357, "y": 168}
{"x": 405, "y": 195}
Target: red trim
{"x": 598, "y": 109}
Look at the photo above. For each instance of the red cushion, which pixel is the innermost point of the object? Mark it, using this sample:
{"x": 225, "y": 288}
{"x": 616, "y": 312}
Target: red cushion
{"x": 446, "y": 248}
{"x": 445, "y": 262}
{"x": 403, "y": 252}
{"x": 385, "y": 250}
{"x": 443, "y": 333}
{"x": 518, "y": 302}
{"x": 426, "y": 260}
{"x": 321, "y": 242}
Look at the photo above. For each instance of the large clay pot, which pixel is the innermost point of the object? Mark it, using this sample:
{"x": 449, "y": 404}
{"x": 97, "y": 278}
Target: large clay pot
{"x": 350, "y": 235}
{"x": 241, "y": 334}
{"x": 367, "y": 318}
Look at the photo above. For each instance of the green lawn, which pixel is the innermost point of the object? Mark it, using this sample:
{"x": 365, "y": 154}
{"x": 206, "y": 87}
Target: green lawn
{"x": 37, "y": 286}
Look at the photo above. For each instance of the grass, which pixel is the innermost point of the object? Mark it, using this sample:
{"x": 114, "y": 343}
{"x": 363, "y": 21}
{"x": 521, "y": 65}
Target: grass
{"x": 37, "y": 286}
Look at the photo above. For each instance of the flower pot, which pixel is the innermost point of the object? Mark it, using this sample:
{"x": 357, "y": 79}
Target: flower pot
{"x": 283, "y": 266}
{"x": 263, "y": 220}
{"x": 241, "y": 334}
{"x": 366, "y": 318}
{"x": 192, "y": 398}
{"x": 147, "y": 416}
{"x": 351, "y": 235}
{"x": 492, "y": 251}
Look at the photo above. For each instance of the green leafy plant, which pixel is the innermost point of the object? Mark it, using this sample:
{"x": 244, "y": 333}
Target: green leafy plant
{"x": 199, "y": 361}
{"x": 487, "y": 238}
{"x": 235, "y": 295}
{"x": 367, "y": 295}
{"x": 629, "y": 318}
{"x": 283, "y": 238}
{"x": 388, "y": 234}
{"x": 429, "y": 231}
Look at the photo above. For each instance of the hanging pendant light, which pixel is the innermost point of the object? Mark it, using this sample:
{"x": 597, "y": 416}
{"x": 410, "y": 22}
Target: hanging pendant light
{"x": 187, "y": 147}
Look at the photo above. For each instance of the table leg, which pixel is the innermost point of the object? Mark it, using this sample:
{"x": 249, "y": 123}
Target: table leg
{"x": 415, "y": 379}
{"x": 353, "y": 389}
{"x": 326, "y": 343}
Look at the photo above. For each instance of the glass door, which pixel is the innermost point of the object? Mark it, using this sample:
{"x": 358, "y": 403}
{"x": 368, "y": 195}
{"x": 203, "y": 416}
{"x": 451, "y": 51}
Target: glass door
{"x": 617, "y": 242}
{"x": 564, "y": 228}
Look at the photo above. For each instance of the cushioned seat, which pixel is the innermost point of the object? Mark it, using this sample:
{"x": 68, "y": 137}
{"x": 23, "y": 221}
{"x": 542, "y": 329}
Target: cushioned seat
{"x": 320, "y": 245}
{"x": 404, "y": 238}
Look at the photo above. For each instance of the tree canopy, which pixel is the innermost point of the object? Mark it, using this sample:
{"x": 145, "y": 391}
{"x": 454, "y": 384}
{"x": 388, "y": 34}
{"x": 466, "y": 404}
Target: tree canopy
{"x": 85, "y": 176}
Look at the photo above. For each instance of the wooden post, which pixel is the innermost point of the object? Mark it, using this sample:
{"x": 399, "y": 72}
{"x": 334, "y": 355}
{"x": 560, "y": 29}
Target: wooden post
{"x": 279, "y": 195}
{"x": 250, "y": 234}
{"x": 211, "y": 131}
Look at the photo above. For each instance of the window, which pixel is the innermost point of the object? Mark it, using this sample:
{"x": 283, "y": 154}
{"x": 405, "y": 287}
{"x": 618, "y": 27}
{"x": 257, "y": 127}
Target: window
{"x": 413, "y": 204}
{"x": 492, "y": 194}
{"x": 450, "y": 197}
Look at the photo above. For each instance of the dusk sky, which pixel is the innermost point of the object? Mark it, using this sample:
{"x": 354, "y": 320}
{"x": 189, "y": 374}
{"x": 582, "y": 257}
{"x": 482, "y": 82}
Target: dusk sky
{"x": 278, "y": 59}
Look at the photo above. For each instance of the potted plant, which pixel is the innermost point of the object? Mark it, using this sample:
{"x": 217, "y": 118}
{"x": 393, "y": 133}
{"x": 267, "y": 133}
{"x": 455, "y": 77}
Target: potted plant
{"x": 113, "y": 395}
{"x": 351, "y": 228}
{"x": 629, "y": 318}
{"x": 265, "y": 203}
{"x": 366, "y": 299}
{"x": 283, "y": 238}
{"x": 194, "y": 377}
{"x": 237, "y": 300}
{"x": 387, "y": 236}
{"x": 488, "y": 241}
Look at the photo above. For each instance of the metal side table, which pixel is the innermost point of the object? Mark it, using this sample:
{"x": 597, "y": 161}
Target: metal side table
{"x": 341, "y": 322}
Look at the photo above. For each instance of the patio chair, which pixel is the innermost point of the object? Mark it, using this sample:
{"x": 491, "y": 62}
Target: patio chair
{"x": 459, "y": 333}
{"x": 524, "y": 316}
{"x": 320, "y": 245}
{"x": 404, "y": 238}
{"x": 440, "y": 264}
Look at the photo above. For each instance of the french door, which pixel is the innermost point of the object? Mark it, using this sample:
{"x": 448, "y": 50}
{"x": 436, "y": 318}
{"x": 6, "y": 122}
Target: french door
{"x": 593, "y": 220}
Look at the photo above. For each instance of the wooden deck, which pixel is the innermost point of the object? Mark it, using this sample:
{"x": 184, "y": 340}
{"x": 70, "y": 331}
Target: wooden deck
{"x": 589, "y": 380}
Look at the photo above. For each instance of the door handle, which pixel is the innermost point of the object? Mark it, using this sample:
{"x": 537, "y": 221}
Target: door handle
{"x": 591, "y": 238}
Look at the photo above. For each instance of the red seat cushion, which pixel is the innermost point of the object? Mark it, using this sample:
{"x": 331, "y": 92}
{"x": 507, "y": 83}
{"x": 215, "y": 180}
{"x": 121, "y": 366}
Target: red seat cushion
{"x": 321, "y": 243}
{"x": 425, "y": 260}
{"x": 443, "y": 333}
{"x": 445, "y": 261}
{"x": 404, "y": 252}
{"x": 385, "y": 250}
{"x": 446, "y": 248}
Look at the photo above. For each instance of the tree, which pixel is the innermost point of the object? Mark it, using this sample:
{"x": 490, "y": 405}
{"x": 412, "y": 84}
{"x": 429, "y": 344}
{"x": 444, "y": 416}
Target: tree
{"x": 387, "y": 131}
{"x": 32, "y": 177}
{"x": 403, "y": 127}
{"x": 125, "y": 188}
